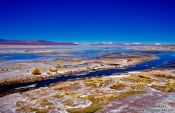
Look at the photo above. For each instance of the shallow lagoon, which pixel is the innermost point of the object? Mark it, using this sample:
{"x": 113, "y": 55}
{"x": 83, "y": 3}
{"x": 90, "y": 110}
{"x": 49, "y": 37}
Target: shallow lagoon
{"x": 163, "y": 61}
{"x": 163, "y": 57}
{"x": 58, "y": 52}
{"x": 69, "y": 52}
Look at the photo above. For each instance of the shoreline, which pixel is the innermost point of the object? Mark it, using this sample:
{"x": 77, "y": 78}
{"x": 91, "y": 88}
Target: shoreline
{"x": 69, "y": 71}
{"x": 103, "y": 82}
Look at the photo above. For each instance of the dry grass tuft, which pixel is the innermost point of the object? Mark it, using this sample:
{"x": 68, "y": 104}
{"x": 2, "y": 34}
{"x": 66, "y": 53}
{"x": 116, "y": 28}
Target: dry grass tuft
{"x": 97, "y": 82}
{"x": 164, "y": 75}
{"x": 139, "y": 78}
{"x": 164, "y": 88}
{"x": 59, "y": 95}
{"x": 24, "y": 107}
{"x": 168, "y": 87}
{"x": 117, "y": 86}
{"x": 45, "y": 102}
{"x": 69, "y": 102}
{"x": 138, "y": 85}
{"x": 36, "y": 71}
{"x": 53, "y": 69}
{"x": 65, "y": 86}
{"x": 91, "y": 109}
{"x": 99, "y": 101}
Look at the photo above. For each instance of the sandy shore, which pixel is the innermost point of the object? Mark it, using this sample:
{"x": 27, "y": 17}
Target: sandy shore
{"x": 156, "y": 48}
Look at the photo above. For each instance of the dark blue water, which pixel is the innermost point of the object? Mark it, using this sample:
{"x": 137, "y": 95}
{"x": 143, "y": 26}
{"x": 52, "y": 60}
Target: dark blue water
{"x": 79, "y": 52}
{"x": 156, "y": 64}
{"x": 17, "y": 56}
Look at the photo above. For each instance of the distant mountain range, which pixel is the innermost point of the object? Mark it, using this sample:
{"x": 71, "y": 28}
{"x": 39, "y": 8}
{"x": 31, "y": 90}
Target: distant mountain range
{"x": 122, "y": 44}
{"x": 45, "y": 42}
{"x": 131, "y": 44}
{"x": 33, "y": 42}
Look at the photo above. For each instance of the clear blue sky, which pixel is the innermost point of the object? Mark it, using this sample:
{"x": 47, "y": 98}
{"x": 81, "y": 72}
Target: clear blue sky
{"x": 145, "y": 21}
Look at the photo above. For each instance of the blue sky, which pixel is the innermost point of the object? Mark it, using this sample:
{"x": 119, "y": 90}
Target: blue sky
{"x": 89, "y": 21}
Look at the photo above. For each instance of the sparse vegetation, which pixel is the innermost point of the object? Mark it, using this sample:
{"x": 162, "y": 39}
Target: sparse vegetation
{"x": 97, "y": 82}
{"x": 53, "y": 69}
{"x": 69, "y": 102}
{"x": 129, "y": 93}
{"x": 58, "y": 59}
{"x": 91, "y": 109}
{"x": 117, "y": 86}
{"x": 88, "y": 95}
{"x": 65, "y": 86}
{"x": 168, "y": 87}
{"x": 161, "y": 74}
{"x": 129, "y": 59}
{"x": 25, "y": 108}
{"x": 20, "y": 103}
{"x": 171, "y": 82}
{"x": 45, "y": 102}
{"x": 36, "y": 71}
{"x": 164, "y": 88}
{"x": 99, "y": 101}
{"x": 62, "y": 94}
{"x": 59, "y": 95}
{"x": 138, "y": 85}
{"x": 29, "y": 108}
{"x": 139, "y": 78}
